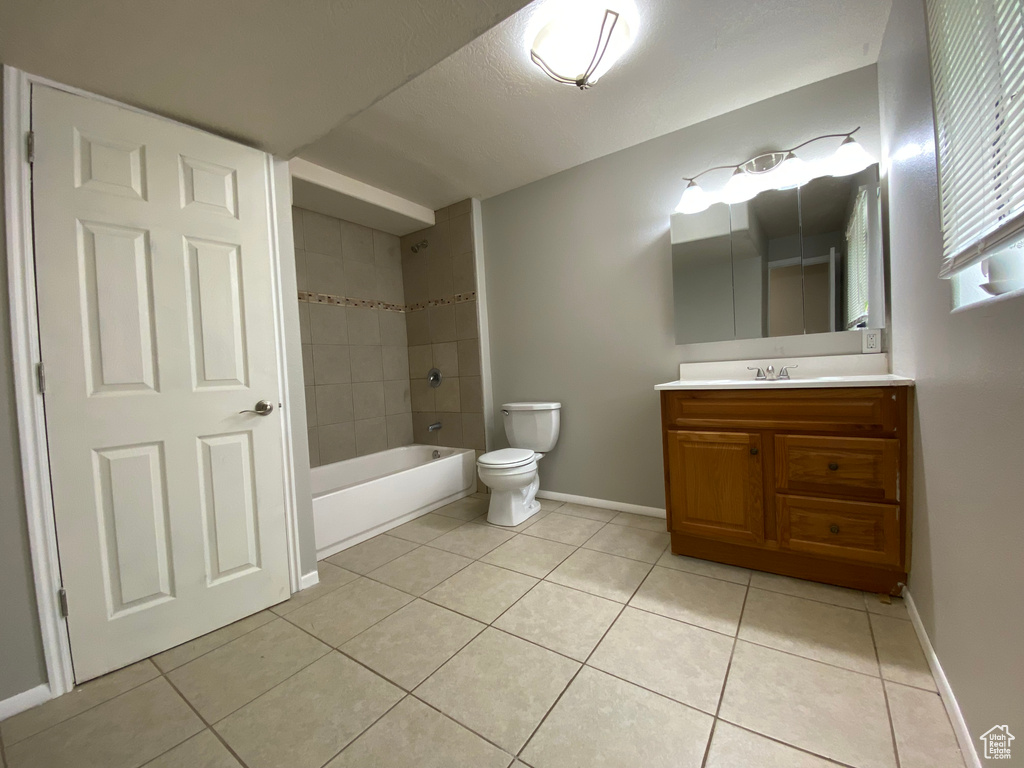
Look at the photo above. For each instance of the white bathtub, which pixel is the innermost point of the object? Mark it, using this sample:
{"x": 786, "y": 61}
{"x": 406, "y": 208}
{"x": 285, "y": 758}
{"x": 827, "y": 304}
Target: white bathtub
{"x": 356, "y": 499}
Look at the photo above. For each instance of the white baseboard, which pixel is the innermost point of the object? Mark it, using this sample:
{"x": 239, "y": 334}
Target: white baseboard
{"x": 308, "y": 580}
{"x": 956, "y": 718}
{"x": 618, "y": 506}
{"x": 33, "y": 697}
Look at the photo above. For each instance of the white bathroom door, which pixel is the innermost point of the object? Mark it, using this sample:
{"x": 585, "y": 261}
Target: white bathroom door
{"x": 155, "y": 295}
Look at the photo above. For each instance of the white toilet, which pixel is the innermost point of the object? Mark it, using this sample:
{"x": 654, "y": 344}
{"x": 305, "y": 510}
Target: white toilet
{"x": 511, "y": 473}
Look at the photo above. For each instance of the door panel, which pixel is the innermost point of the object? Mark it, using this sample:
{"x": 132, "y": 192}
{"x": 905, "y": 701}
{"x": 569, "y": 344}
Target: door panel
{"x": 155, "y": 284}
{"x": 133, "y": 539}
{"x": 715, "y": 485}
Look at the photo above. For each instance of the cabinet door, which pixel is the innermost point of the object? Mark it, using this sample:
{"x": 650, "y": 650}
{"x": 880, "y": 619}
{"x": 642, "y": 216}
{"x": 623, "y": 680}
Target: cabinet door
{"x": 715, "y": 485}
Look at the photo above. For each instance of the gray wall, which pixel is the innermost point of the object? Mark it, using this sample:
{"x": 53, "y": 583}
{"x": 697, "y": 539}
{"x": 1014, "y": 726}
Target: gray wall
{"x": 21, "y": 652}
{"x": 579, "y": 281}
{"x": 967, "y": 576}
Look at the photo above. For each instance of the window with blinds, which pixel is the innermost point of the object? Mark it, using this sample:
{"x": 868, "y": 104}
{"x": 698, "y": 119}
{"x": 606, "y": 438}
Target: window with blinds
{"x": 856, "y": 273}
{"x": 977, "y": 57}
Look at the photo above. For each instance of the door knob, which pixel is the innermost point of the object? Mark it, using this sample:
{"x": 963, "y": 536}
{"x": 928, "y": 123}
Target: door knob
{"x": 753, "y": 451}
{"x": 833, "y": 528}
{"x": 263, "y": 408}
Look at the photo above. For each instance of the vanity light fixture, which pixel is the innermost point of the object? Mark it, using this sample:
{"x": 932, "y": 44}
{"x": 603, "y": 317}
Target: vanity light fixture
{"x": 582, "y": 43}
{"x": 780, "y": 169}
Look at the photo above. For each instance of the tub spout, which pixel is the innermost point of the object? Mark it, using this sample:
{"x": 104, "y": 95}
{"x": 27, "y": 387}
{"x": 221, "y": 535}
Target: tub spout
{"x": 434, "y": 427}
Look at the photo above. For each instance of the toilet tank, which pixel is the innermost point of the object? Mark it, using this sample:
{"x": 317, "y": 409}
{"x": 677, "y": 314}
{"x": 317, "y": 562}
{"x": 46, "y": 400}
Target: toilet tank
{"x": 531, "y": 425}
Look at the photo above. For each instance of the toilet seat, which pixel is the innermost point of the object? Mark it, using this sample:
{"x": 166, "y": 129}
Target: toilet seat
{"x": 507, "y": 458}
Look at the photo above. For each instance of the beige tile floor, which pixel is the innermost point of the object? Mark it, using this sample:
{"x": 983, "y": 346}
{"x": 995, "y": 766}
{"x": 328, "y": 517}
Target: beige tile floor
{"x": 575, "y": 639}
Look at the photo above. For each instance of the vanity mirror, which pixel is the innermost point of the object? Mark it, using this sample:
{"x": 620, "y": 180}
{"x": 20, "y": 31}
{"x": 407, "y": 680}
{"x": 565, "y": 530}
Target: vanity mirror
{"x": 809, "y": 259}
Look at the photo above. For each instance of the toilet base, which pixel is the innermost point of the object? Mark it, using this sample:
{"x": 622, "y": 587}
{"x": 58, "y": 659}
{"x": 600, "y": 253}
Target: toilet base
{"x": 512, "y": 507}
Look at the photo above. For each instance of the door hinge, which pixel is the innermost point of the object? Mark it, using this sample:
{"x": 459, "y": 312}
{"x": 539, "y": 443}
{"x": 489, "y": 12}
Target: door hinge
{"x": 41, "y": 378}
{"x": 62, "y": 602}
{"x": 30, "y": 146}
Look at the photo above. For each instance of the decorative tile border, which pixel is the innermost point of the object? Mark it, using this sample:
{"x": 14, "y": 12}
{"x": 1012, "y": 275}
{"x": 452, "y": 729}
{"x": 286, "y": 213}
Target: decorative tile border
{"x": 458, "y": 298}
{"x": 346, "y": 301}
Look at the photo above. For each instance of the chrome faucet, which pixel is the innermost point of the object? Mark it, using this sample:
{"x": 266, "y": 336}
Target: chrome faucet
{"x": 768, "y": 374}
{"x": 434, "y": 427}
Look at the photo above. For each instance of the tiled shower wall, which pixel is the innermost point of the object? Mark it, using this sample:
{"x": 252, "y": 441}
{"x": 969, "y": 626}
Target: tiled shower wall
{"x": 354, "y": 350}
{"x": 440, "y": 297}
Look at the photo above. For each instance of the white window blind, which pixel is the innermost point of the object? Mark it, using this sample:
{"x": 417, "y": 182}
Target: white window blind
{"x": 977, "y": 54}
{"x": 856, "y": 309}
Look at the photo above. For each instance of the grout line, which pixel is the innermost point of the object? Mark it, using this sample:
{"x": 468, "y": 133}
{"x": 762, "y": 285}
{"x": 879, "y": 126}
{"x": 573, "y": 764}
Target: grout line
{"x": 885, "y": 693}
{"x": 812, "y": 599}
{"x": 462, "y": 725}
{"x": 375, "y": 567}
{"x": 573, "y": 679}
{"x": 714, "y": 725}
{"x": 87, "y": 709}
{"x": 725, "y": 680}
{"x": 204, "y": 721}
{"x": 786, "y": 743}
{"x": 808, "y": 658}
{"x": 273, "y": 617}
{"x": 355, "y": 738}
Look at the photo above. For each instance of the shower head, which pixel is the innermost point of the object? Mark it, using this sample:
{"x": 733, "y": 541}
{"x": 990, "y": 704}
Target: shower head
{"x": 419, "y": 246}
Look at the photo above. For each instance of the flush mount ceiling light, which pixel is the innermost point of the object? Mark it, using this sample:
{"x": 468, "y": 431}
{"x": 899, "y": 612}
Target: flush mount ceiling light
{"x": 582, "y": 42}
{"x": 780, "y": 169}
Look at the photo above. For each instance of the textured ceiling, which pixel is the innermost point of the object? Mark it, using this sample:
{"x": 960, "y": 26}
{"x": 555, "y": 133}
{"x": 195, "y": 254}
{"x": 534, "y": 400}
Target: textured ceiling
{"x": 485, "y": 120}
{"x": 277, "y": 74}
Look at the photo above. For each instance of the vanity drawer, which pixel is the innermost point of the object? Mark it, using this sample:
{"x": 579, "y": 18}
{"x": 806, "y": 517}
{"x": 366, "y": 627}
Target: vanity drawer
{"x": 864, "y": 467}
{"x": 846, "y": 530}
{"x": 851, "y": 410}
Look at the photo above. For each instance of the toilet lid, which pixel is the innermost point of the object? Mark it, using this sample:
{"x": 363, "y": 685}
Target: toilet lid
{"x": 507, "y": 457}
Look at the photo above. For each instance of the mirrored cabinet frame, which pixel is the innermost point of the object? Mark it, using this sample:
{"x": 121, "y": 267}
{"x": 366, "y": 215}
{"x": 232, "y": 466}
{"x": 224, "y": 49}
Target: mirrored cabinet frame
{"x": 808, "y": 262}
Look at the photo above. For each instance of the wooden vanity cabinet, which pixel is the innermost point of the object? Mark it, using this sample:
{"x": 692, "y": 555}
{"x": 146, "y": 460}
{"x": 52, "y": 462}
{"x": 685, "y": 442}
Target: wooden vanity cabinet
{"x": 812, "y": 483}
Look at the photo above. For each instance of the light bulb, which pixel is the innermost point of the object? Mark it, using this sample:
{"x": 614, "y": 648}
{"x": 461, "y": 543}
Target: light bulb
{"x": 740, "y": 188}
{"x": 793, "y": 172}
{"x": 849, "y": 158}
{"x": 694, "y": 199}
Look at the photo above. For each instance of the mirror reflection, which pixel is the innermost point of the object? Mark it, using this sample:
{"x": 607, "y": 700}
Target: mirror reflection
{"x": 787, "y": 262}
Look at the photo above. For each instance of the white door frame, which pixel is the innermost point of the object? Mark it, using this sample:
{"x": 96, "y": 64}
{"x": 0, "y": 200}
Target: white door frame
{"x": 35, "y": 460}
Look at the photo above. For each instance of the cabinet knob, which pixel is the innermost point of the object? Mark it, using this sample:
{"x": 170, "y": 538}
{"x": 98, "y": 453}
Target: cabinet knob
{"x": 753, "y": 451}
{"x": 833, "y": 466}
{"x": 834, "y": 528}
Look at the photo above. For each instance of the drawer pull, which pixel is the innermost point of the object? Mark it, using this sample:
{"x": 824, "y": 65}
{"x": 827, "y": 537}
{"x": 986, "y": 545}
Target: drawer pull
{"x": 833, "y": 466}
{"x": 834, "y": 528}
{"x": 753, "y": 451}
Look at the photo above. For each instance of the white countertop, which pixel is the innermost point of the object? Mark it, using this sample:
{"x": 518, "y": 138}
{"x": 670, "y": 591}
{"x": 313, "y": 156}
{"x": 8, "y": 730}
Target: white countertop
{"x": 819, "y": 382}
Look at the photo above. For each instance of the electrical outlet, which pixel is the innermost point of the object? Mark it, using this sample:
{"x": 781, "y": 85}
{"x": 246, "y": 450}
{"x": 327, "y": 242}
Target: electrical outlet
{"x": 871, "y": 340}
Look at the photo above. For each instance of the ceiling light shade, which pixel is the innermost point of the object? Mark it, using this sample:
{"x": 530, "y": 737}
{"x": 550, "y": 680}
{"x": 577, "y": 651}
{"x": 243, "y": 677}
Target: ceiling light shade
{"x": 740, "y": 188}
{"x": 849, "y": 158}
{"x": 580, "y": 44}
{"x": 694, "y": 199}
